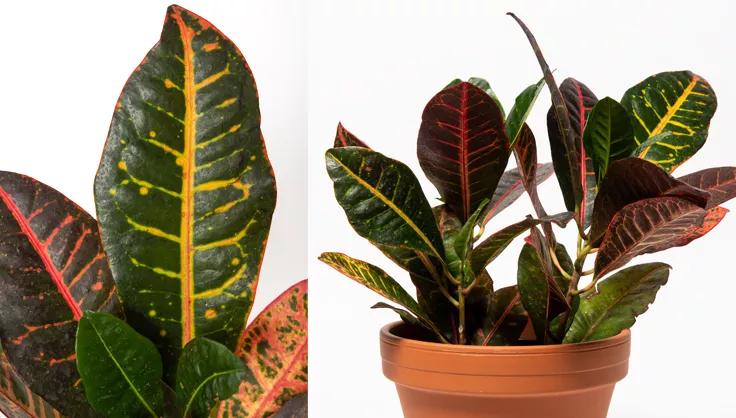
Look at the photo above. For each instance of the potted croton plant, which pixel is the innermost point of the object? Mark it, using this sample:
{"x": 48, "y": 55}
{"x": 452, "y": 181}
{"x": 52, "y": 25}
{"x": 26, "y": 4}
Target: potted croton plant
{"x": 555, "y": 343}
{"x": 145, "y": 313}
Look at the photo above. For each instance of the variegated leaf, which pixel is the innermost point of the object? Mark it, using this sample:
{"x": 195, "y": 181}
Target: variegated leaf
{"x": 185, "y": 190}
{"x": 720, "y": 182}
{"x": 53, "y": 268}
{"x": 510, "y": 188}
{"x": 274, "y": 349}
{"x": 344, "y": 138}
{"x": 16, "y": 398}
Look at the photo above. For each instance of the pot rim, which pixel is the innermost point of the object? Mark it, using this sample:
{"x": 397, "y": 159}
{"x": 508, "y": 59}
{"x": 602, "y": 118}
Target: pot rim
{"x": 388, "y": 337}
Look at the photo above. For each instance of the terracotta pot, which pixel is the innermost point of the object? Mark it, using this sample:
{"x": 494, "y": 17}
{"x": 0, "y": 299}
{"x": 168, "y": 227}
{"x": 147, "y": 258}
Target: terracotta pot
{"x": 457, "y": 381}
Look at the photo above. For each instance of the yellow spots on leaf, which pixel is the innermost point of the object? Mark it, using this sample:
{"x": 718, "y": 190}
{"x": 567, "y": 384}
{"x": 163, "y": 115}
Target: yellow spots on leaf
{"x": 226, "y": 102}
{"x": 210, "y": 314}
{"x": 210, "y": 47}
{"x": 122, "y": 165}
{"x": 234, "y": 128}
{"x": 252, "y": 157}
{"x": 113, "y": 191}
{"x": 162, "y": 333}
{"x": 152, "y": 313}
{"x": 123, "y": 142}
{"x": 143, "y": 191}
{"x": 171, "y": 85}
{"x": 152, "y": 134}
{"x": 235, "y": 261}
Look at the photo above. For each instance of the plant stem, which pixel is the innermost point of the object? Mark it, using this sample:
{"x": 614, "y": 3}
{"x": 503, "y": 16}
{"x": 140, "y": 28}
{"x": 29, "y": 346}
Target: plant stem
{"x": 437, "y": 278}
{"x": 557, "y": 264}
{"x": 461, "y": 315}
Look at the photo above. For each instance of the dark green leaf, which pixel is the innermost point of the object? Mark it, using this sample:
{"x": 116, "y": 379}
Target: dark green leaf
{"x": 652, "y": 225}
{"x": 207, "y": 372}
{"x": 405, "y": 315}
{"x": 617, "y": 302}
{"x": 609, "y": 135}
{"x": 510, "y": 188}
{"x": 16, "y": 398}
{"x": 462, "y": 146}
{"x": 720, "y": 182}
{"x": 633, "y": 179}
{"x": 462, "y": 243}
{"x": 344, "y": 138}
{"x": 185, "y": 190}
{"x": 383, "y": 200}
{"x": 505, "y": 320}
{"x": 53, "y": 268}
{"x": 121, "y": 370}
{"x": 679, "y": 102}
{"x": 521, "y": 109}
{"x": 491, "y": 247}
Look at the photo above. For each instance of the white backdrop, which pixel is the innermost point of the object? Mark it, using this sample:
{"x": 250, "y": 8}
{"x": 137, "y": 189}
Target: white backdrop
{"x": 374, "y": 64}
{"x": 62, "y": 67}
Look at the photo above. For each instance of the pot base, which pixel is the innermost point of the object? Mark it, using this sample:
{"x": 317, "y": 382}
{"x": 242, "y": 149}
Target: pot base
{"x": 592, "y": 403}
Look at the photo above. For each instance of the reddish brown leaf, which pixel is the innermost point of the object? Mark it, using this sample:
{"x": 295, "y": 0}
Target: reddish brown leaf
{"x": 652, "y": 225}
{"x": 462, "y": 146}
{"x": 510, "y": 188}
{"x": 344, "y": 138}
{"x": 720, "y": 182}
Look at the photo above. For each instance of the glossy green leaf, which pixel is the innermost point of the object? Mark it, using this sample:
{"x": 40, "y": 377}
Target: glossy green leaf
{"x": 274, "y": 350}
{"x": 678, "y": 102}
{"x": 344, "y": 138}
{"x": 617, "y": 302}
{"x": 484, "y": 85}
{"x": 462, "y": 146}
{"x": 720, "y": 182}
{"x": 16, "y": 398}
{"x": 462, "y": 243}
{"x": 383, "y": 200}
{"x": 608, "y": 135}
{"x": 493, "y": 246}
{"x": 521, "y": 109}
{"x": 652, "y": 225}
{"x": 121, "y": 370}
{"x": 53, "y": 268}
{"x": 207, "y": 372}
{"x": 633, "y": 179}
{"x": 185, "y": 190}
{"x": 510, "y": 188}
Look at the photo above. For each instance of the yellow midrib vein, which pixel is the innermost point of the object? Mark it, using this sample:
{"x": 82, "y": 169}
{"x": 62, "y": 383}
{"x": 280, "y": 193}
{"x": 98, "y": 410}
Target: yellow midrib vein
{"x": 670, "y": 113}
{"x": 391, "y": 205}
{"x": 187, "y": 200}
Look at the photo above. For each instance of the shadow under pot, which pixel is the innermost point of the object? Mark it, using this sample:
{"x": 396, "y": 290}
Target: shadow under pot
{"x": 554, "y": 381}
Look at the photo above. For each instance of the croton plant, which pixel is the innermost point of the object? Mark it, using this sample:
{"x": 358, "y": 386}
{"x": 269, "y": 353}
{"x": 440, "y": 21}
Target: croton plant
{"x": 144, "y": 314}
{"x": 613, "y": 161}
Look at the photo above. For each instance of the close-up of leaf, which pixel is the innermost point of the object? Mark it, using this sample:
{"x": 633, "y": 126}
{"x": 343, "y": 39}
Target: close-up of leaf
{"x": 462, "y": 146}
{"x": 608, "y": 135}
{"x": 121, "y": 370}
{"x": 383, "y": 200}
{"x": 651, "y": 225}
{"x": 484, "y": 85}
{"x": 633, "y": 179}
{"x": 274, "y": 349}
{"x": 185, "y": 190}
{"x": 521, "y": 109}
{"x": 53, "y": 269}
{"x": 720, "y": 182}
{"x": 617, "y": 302}
{"x": 16, "y": 398}
{"x": 207, "y": 373}
{"x": 510, "y": 188}
{"x": 344, "y": 138}
{"x": 677, "y": 102}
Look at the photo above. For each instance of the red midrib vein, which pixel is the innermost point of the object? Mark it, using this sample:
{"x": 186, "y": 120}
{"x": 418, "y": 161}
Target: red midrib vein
{"x": 53, "y": 272}
{"x": 464, "y": 152}
{"x": 583, "y": 169}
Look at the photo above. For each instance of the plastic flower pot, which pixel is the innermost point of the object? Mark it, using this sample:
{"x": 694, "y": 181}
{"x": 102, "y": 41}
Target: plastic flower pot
{"x": 460, "y": 381}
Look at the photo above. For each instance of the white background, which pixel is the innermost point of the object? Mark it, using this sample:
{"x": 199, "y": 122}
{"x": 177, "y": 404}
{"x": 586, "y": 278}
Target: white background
{"x": 62, "y": 67}
{"x": 374, "y": 64}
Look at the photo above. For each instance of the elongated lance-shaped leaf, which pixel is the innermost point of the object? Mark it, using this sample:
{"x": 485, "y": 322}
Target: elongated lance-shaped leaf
{"x": 510, "y": 188}
{"x": 521, "y": 110}
{"x": 493, "y": 246}
{"x": 383, "y": 200}
{"x": 462, "y": 243}
{"x": 405, "y": 315}
{"x": 16, "y": 398}
{"x": 614, "y": 306}
{"x": 579, "y": 101}
{"x": 484, "y": 85}
{"x": 505, "y": 320}
{"x": 53, "y": 268}
{"x": 373, "y": 278}
{"x": 632, "y": 179}
{"x": 462, "y": 146}
{"x": 274, "y": 349}
{"x": 649, "y": 226}
{"x": 344, "y": 138}
{"x": 121, "y": 370}
{"x": 678, "y": 102}
{"x": 608, "y": 135}
{"x": 185, "y": 191}
{"x": 207, "y": 373}
{"x": 563, "y": 130}
{"x": 720, "y": 182}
